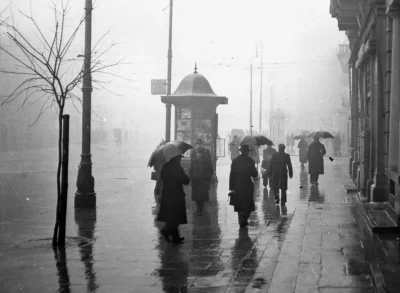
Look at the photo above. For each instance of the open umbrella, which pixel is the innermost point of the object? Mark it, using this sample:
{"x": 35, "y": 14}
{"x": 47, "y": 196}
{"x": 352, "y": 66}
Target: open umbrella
{"x": 152, "y": 157}
{"x": 256, "y": 140}
{"x": 300, "y": 136}
{"x": 167, "y": 151}
{"x": 321, "y": 134}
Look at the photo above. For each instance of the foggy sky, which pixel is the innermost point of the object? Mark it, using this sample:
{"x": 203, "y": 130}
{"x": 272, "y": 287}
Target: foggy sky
{"x": 298, "y": 37}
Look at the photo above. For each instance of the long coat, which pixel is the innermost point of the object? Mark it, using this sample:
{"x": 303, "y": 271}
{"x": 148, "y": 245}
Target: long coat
{"x": 172, "y": 204}
{"x": 303, "y": 148}
{"x": 315, "y": 154}
{"x": 279, "y": 167}
{"x": 200, "y": 172}
{"x": 242, "y": 169}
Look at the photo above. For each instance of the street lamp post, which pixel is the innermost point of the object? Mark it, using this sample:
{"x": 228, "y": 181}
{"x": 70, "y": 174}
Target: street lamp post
{"x": 85, "y": 196}
{"x": 260, "y": 44}
{"x": 168, "y": 106}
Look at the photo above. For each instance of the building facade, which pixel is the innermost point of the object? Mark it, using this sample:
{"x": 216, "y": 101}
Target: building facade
{"x": 373, "y": 30}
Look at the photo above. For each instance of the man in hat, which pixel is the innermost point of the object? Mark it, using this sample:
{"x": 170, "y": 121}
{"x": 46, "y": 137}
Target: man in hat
{"x": 242, "y": 170}
{"x": 315, "y": 157}
{"x": 200, "y": 172}
{"x": 278, "y": 170}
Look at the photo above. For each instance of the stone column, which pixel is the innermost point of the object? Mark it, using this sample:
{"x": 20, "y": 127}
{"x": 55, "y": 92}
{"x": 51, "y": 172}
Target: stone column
{"x": 379, "y": 190}
{"x": 395, "y": 95}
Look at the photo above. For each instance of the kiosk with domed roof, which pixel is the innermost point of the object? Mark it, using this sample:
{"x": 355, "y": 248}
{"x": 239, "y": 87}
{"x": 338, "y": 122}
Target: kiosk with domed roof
{"x": 196, "y": 113}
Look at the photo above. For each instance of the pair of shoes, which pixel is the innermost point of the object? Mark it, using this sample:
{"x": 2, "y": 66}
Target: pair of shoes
{"x": 277, "y": 201}
{"x": 165, "y": 234}
{"x": 178, "y": 240}
{"x": 316, "y": 182}
{"x": 283, "y": 203}
{"x": 312, "y": 182}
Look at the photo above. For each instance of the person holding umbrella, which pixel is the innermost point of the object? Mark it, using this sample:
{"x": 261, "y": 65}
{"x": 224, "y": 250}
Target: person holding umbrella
{"x": 278, "y": 171}
{"x": 315, "y": 157}
{"x": 242, "y": 170}
{"x": 267, "y": 156}
{"x": 200, "y": 172}
{"x": 172, "y": 209}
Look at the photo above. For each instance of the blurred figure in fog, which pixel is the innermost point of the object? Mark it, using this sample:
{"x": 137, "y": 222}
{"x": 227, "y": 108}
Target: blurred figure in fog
{"x": 291, "y": 142}
{"x": 337, "y": 143}
{"x": 200, "y": 172}
{"x": 303, "y": 148}
{"x": 172, "y": 204}
{"x": 242, "y": 170}
{"x": 278, "y": 169}
{"x": 267, "y": 156}
{"x": 315, "y": 157}
{"x": 117, "y": 136}
{"x": 234, "y": 147}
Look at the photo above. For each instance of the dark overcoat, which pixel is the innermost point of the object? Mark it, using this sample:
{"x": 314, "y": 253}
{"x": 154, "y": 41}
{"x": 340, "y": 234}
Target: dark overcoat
{"x": 172, "y": 204}
{"x": 303, "y": 148}
{"x": 315, "y": 157}
{"x": 200, "y": 172}
{"x": 242, "y": 169}
{"x": 279, "y": 167}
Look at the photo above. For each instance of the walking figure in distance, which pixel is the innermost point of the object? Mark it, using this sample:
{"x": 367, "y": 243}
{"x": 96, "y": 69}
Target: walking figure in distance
{"x": 278, "y": 169}
{"x": 267, "y": 156}
{"x": 242, "y": 170}
{"x": 303, "y": 148}
{"x": 315, "y": 157}
{"x": 172, "y": 204}
{"x": 200, "y": 172}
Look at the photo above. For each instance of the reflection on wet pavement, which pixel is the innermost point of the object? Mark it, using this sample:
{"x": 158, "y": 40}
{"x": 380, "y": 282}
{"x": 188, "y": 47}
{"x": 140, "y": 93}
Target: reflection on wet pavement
{"x": 313, "y": 243}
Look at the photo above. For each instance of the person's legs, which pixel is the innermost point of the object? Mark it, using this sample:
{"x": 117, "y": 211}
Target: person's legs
{"x": 200, "y": 205}
{"x": 316, "y": 178}
{"x": 312, "y": 178}
{"x": 283, "y": 197}
{"x": 242, "y": 217}
{"x": 176, "y": 238}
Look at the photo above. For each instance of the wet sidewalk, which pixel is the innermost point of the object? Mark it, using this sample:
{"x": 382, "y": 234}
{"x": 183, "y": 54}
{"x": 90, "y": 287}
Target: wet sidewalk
{"x": 316, "y": 244}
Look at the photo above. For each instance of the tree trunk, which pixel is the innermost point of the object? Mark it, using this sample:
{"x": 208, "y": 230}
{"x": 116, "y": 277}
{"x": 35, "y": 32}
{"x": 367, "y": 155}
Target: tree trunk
{"x": 64, "y": 182}
{"x": 55, "y": 232}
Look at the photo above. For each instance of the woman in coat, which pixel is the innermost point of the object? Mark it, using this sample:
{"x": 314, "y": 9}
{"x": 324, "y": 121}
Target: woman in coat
{"x": 242, "y": 169}
{"x": 200, "y": 172}
{"x": 172, "y": 204}
{"x": 315, "y": 157}
{"x": 303, "y": 148}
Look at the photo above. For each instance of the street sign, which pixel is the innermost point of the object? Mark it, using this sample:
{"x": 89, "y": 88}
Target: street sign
{"x": 158, "y": 86}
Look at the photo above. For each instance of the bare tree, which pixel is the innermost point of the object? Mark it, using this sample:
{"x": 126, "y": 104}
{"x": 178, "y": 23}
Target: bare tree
{"x": 45, "y": 64}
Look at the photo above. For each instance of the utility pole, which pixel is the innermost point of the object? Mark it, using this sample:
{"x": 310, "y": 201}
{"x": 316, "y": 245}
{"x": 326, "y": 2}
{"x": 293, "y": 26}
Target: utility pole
{"x": 261, "y": 85}
{"x": 270, "y": 113}
{"x": 168, "y": 106}
{"x": 251, "y": 98}
{"x": 85, "y": 197}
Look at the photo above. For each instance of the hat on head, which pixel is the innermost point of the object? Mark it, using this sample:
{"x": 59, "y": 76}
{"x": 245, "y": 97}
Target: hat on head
{"x": 244, "y": 148}
{"x": 281, "y": 146}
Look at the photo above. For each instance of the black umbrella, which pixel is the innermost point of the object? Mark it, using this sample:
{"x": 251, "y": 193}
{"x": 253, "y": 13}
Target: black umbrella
{"x": 167, "y": 151}
{"x": 256, "y": 140}
{"x": 299, "y": 136}
{"x": 321, "y": 134}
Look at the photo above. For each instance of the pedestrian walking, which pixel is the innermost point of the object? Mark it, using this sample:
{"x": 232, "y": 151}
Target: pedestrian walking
{"x": 315, "y": 157}
{"x": 291, "y": 142}
{"x": 242, "y": 170}
{"x": 200, "y": 172}
{"x": 172, "y": 204}
{"x": 303, "y": 148}
{"x": 337, "y": 143}
{"x": 278, "y": 169}
{"x": 234, "y": 147}
{"x": 267, "y": 156}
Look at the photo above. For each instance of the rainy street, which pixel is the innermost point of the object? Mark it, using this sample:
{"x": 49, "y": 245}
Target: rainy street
{"x": 137, "y": 139}
{"x": 314, "y": 244}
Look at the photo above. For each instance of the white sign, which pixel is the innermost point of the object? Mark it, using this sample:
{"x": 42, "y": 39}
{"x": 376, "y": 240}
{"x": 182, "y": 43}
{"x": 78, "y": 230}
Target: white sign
{"x": 158, "y": 86}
